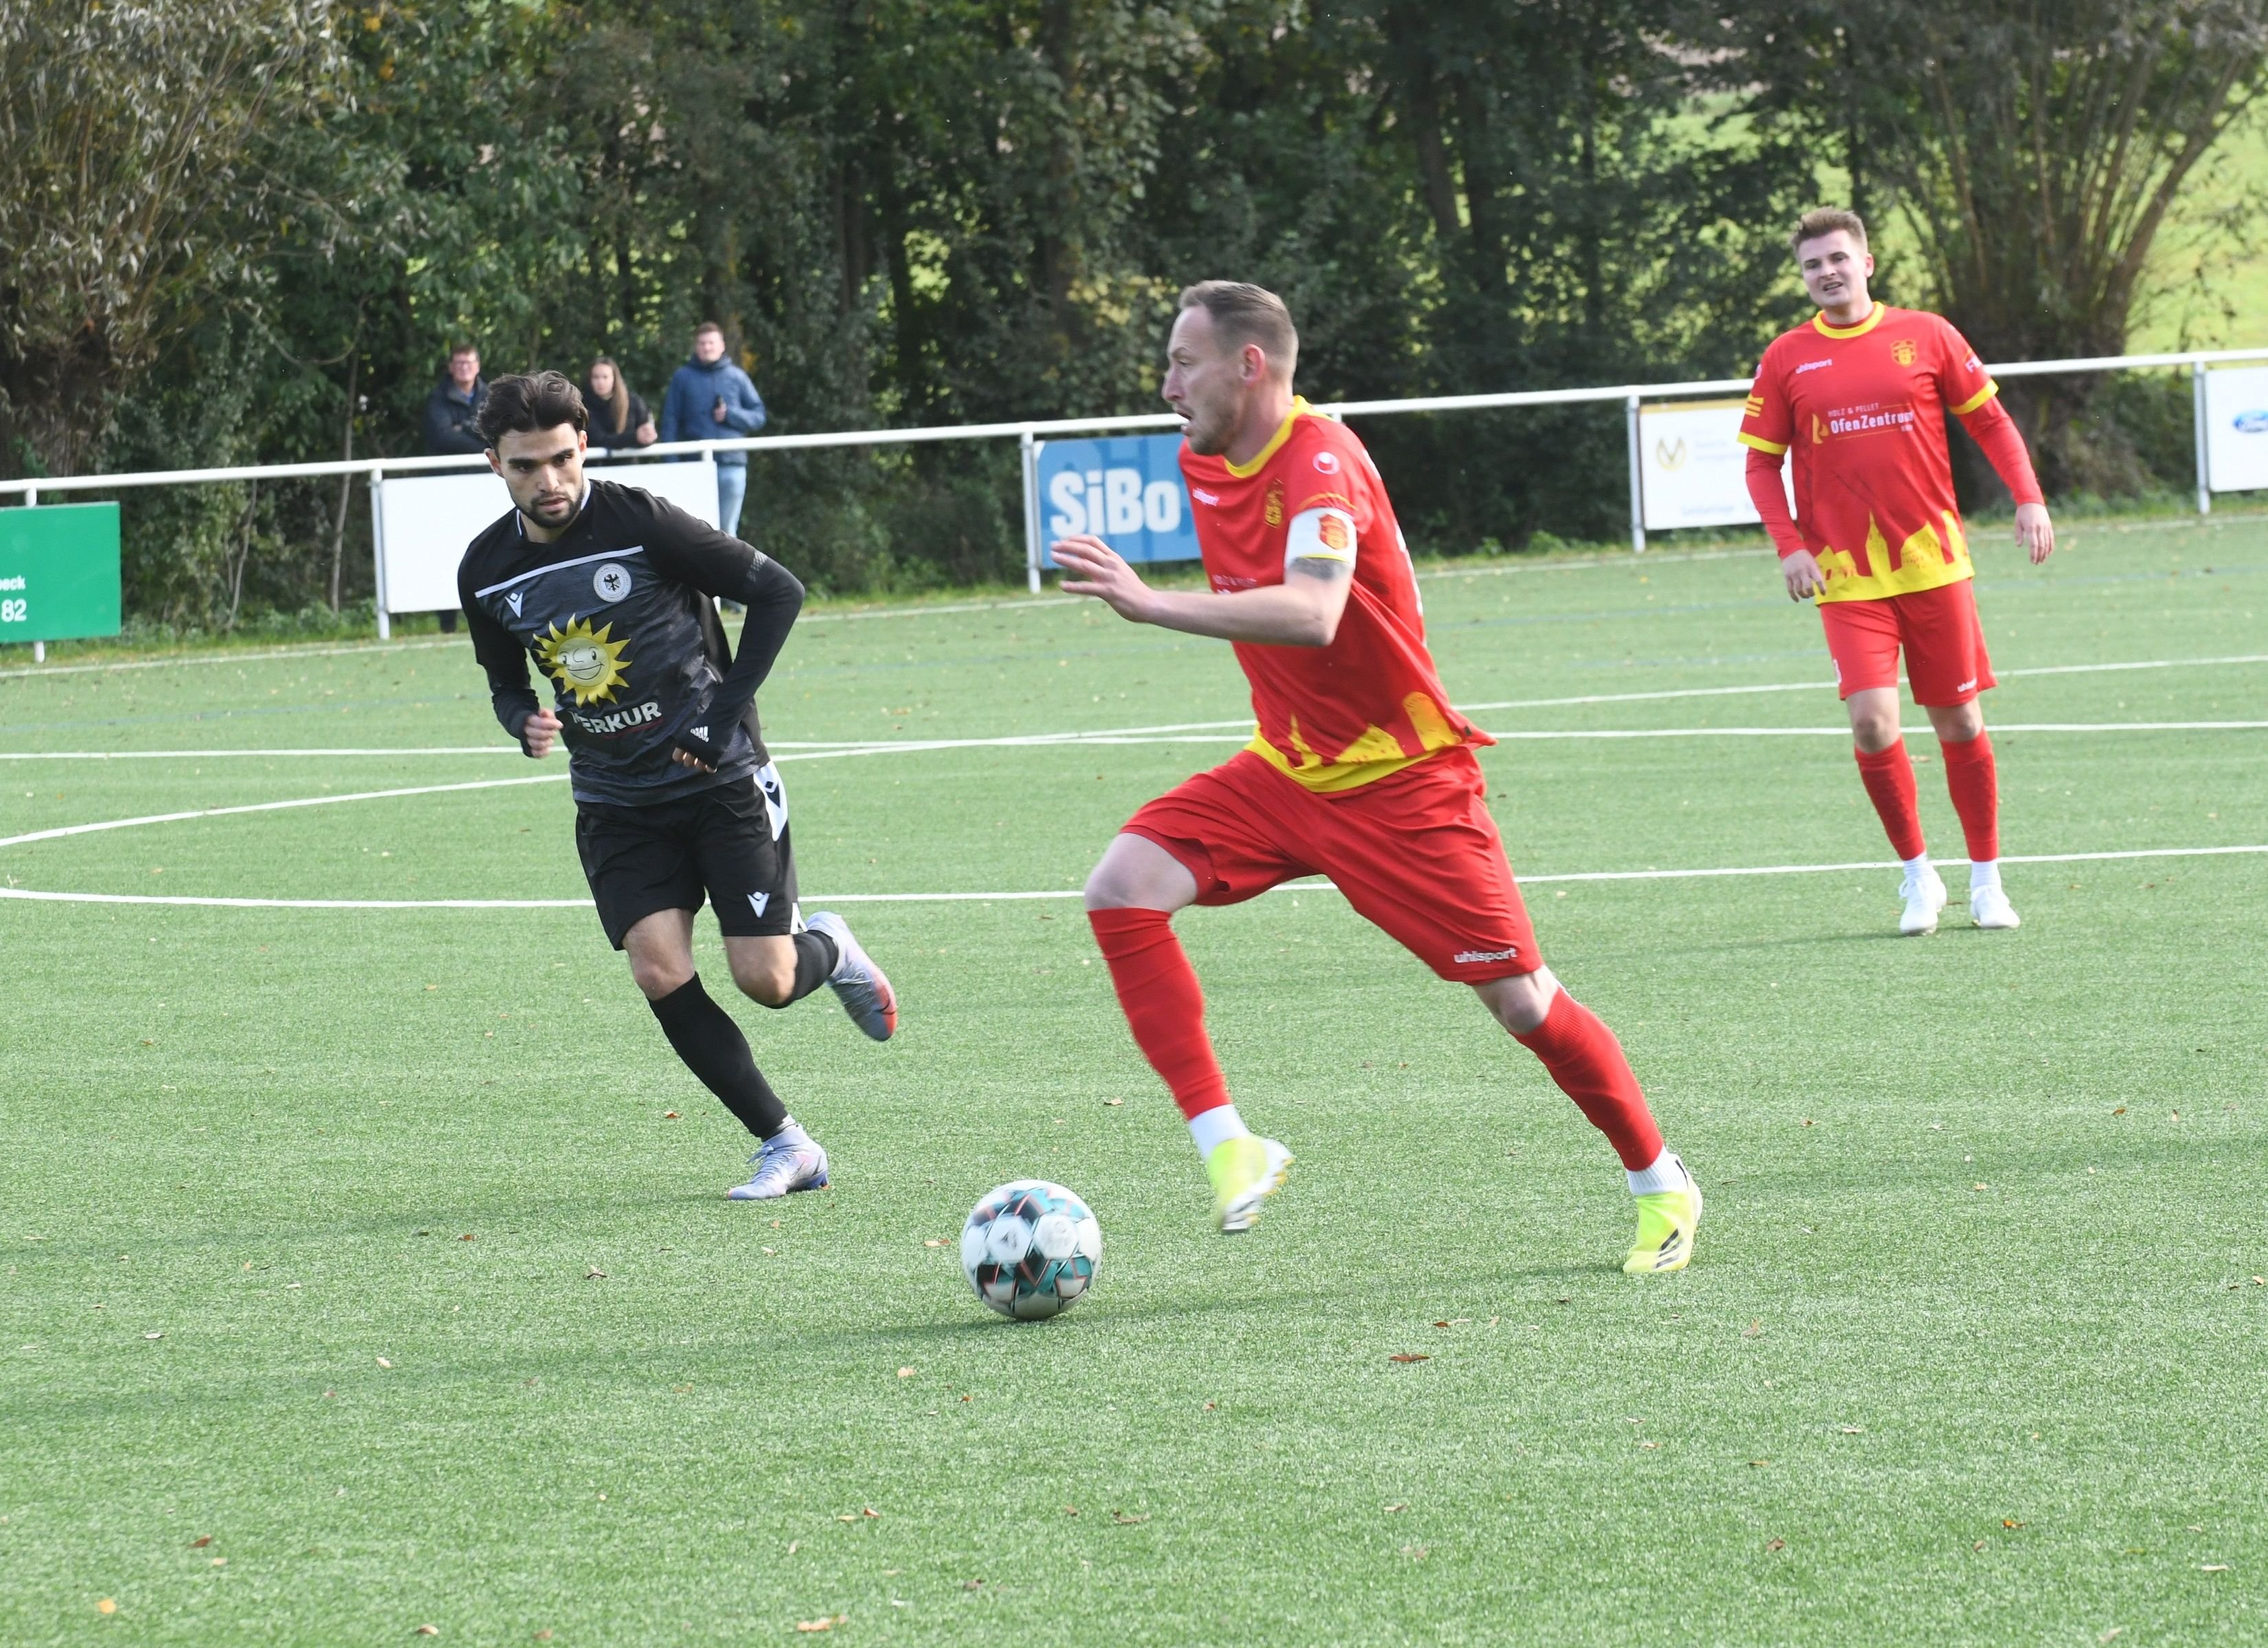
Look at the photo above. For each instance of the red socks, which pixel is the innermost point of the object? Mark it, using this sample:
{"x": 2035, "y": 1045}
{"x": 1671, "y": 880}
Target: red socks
{"x": 1587, "y": 1062}
{"x": 1165, "y": 1008}
{"x": 1888, "y": 777}
{"x": 1974, "y": 784}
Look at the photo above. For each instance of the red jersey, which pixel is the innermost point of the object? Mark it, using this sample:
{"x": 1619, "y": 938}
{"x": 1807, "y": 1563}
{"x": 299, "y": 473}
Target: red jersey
{"x": 1863, "y": 409}
{"x": 1371, "y": 702}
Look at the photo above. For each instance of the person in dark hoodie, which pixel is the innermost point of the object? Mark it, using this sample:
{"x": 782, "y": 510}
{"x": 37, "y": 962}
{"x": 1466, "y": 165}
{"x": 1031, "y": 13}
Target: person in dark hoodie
{"x": 451, "y": 420}
{"x": 711, "y": 399}
{"x": 455, "y": 406}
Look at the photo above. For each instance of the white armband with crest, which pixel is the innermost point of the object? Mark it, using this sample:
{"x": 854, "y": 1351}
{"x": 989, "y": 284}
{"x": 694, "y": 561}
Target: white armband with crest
{"x": 1319, "y": 534}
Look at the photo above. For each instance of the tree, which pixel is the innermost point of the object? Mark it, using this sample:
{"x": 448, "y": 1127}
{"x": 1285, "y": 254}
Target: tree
{"x": 2034, "y": 150}
{"x": 134, "y": 179}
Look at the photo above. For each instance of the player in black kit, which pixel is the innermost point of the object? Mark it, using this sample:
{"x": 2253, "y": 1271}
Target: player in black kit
{"x": 610, "y": 590}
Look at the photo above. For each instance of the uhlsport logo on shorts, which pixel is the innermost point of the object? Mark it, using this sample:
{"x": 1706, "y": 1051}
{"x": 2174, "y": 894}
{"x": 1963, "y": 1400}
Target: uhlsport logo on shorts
{"x": 1512, "y": 954}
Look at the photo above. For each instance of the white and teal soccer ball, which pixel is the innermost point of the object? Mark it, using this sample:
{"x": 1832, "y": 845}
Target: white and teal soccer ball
{"x": 1030, "y": 1249}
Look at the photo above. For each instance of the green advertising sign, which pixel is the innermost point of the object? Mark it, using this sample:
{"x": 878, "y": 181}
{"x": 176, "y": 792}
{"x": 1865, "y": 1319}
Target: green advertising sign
{"x": 59, "y": 572}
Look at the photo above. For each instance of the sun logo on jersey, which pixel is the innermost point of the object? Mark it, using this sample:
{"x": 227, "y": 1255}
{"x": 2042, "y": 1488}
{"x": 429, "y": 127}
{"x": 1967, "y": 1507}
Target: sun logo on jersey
{"x": 1904, "y": 352}
{"x": 587, "y": 664}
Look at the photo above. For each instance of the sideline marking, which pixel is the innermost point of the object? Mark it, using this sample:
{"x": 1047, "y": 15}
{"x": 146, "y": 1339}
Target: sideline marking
{"x": 1072, "y": 893}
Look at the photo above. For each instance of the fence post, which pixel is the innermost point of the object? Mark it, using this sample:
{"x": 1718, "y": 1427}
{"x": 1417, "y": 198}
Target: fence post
{"x": 2203, "y": 443}
{"x": 1637, "y": 482}
{"x": 1031, "y": 455}
{"x": 378, "y": 551}
{"x": 38, "y": 648}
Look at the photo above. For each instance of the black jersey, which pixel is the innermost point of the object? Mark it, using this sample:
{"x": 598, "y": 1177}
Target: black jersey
{"x": 617, "y": 610}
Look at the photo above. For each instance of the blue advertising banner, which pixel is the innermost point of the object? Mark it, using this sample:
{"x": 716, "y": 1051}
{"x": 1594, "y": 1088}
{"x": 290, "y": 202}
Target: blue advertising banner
{"x": 1126, "y": 490}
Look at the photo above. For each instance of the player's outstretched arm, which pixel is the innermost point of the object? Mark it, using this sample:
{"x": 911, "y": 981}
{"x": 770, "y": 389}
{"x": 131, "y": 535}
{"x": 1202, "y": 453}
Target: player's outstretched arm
{"x": 1304, "y": 610}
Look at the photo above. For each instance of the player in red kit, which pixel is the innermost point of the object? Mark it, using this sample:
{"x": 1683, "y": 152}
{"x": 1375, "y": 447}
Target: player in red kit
{"x": 1360, "y": 770}
{"x": 1860, "y": 396}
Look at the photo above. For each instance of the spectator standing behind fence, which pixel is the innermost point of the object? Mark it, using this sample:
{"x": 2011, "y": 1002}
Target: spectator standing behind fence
{"x": 455, "y": 402}
{"x": 710, "y": 398}
{"x": 449, "y": 413}
{"x": 619, "y": 419}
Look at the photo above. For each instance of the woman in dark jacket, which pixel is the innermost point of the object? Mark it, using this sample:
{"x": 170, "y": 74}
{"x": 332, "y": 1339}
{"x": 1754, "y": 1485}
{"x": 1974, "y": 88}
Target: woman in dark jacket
{"x": 619, "y": 419}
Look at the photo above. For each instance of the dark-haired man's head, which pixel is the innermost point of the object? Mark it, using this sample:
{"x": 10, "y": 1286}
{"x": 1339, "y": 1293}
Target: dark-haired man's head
{"x": 534, "y": 425}
{"x": 1231, "y": 343}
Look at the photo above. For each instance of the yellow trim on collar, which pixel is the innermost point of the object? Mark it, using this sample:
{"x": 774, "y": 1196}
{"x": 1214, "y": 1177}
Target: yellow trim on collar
{"x": 1860, "y": 330}
{"x": 1977, "y": 399}
{"x": 1246, "y": 471}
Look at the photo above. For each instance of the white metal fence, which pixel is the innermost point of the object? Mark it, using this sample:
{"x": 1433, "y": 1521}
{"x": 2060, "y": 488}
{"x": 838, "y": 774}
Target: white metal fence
{"x": 2207, "y": 409}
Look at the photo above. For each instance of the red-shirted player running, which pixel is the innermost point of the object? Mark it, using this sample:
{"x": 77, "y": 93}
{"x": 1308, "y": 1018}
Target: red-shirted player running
{"x": 1859, "y": 394}
{"x": 1360, "y": 769}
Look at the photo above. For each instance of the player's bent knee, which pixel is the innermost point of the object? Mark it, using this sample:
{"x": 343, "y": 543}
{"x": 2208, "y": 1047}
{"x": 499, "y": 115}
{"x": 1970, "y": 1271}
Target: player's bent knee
{"x": 1136, "y": 873}
{"x": 656, "y": 978}
{"x": 766, "y": 986}
{"x": 1520, "y": 1002}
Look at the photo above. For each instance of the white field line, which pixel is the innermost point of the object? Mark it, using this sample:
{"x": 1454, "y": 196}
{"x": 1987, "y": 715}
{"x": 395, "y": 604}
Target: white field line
{"x": 273, "y": 806}
{"x": 257, "y": 656}
{"x": 1060, "y": 740}
{"x": 1712, "y": 873}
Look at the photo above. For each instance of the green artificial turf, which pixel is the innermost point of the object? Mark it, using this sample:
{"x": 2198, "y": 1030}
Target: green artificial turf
{"x": 303, "y": 1209}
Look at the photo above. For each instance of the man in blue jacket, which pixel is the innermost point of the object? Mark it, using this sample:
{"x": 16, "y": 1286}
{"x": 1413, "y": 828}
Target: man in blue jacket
{"x": 710, "y": 398}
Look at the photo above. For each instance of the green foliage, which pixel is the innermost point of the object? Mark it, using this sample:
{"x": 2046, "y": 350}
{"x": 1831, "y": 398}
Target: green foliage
{"x": 983, "y": 209}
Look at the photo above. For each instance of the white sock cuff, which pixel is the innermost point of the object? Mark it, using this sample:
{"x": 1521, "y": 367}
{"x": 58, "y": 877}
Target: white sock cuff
{"x": 1985, "y": 874}
{"x": 1667, "y": 1173}
{"x": 1213, "y": 1128}
{"x": 1916, "y": 864}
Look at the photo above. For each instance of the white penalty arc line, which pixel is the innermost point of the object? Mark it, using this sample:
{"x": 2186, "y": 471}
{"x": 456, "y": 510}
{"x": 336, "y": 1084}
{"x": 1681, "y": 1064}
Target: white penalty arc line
{"x": 1108, "y": 735}
{"x": 1073, "y": 740}
{"x": 1704, "y": 874}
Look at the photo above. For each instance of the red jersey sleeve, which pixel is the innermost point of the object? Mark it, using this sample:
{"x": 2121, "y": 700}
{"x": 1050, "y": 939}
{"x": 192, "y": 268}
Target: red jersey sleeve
{"x": 1961, "y": 376}
{"x": 1767, "y": 422}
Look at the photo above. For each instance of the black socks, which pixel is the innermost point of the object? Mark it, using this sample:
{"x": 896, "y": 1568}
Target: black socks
{"x": 814, "y": 960}
{"x": 714, "y": 1049}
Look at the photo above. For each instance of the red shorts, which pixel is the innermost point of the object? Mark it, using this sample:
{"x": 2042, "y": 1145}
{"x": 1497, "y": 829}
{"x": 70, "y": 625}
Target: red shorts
{"x": 1415, "y": 852}
{"x": 1944, "y": 643}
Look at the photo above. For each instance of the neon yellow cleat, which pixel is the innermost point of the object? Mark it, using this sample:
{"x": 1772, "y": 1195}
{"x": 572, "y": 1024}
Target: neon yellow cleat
{"x": 1667, "y": 1221}
{"x": 1245, "y": 1172}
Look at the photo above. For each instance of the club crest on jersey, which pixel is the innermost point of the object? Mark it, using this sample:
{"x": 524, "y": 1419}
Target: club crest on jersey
{"x": 514, "y": 600}
{"x": 1903, "y": 351}
{"x": 1272, "y": 510}
{"x": 1327, "y": 463}
{"x": 611, "y": 582}
{"x": 585, "y": 663}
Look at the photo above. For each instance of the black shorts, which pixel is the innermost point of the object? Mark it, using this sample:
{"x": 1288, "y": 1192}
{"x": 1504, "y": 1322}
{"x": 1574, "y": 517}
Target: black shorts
{"x": 730, "y": 843}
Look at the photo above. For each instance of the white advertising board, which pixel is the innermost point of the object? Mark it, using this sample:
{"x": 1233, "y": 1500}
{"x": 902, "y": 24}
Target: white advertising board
{"x": 2236, "y": 428}
{"x": 1694, "y": 469}
{"x": 425, "y": 522}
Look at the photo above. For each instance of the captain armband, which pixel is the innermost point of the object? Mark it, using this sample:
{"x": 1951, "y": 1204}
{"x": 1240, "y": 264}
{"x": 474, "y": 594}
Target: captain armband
{"x": 1319, "y": 535}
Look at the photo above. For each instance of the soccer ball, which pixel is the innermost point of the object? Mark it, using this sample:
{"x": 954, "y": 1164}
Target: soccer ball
{"x": 1030, "y": 1249}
